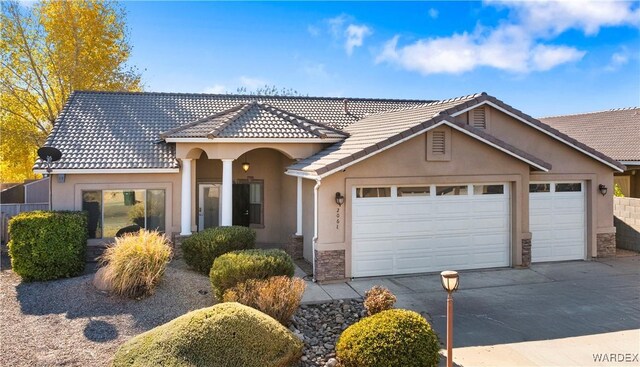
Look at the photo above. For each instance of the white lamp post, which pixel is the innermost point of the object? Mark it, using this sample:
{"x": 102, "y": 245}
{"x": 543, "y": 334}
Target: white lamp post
{"x": 450, "y": 282}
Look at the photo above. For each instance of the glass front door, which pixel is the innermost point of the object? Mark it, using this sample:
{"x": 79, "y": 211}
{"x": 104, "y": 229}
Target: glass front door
{"x": 208, "y": 206}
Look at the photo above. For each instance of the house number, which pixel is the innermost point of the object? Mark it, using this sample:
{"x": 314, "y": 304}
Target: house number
{"x": 338, "y": 218}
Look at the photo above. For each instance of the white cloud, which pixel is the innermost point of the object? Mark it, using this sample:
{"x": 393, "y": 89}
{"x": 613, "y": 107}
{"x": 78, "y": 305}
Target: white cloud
{"x": 618, "y": 59}
{"x": 336, "y": 24}
{"x": 313, "y": 30}
{"x": 433, "y": 13}
{"x": 518, "y": 44}
{"x": 215, "y": 89}
{"x": 252, "y": 83}
{"x": 315, "y": 70}
{"x": 355, "y": 36}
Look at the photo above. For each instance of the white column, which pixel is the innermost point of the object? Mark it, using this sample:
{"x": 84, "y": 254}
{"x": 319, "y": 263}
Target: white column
{"x": 185, "y": 200}
{"x": 227, "y": 192}
{"x": 299, "y": 208}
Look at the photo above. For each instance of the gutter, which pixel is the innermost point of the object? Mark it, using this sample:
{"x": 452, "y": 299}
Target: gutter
{"x": 314, "y": 240}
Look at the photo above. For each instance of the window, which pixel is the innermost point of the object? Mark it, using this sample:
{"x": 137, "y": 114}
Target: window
{"x": 373, "y": 192}
{"x": 112, "y": 210}
{"x": 488, "y": 189}
{"x": 569, "y": 187}
{"x": 539, "y": 187}
{"x": 414, "y": 191}
{"x": 255, "y": 203}
{"x": 451, "y": 190}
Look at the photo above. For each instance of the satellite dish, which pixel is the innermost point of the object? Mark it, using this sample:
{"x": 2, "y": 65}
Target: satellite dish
{"x": 49, "y": 154}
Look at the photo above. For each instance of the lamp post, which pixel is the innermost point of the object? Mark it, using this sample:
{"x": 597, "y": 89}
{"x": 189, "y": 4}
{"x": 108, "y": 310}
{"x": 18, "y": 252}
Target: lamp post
{"x": 450, "y": 282}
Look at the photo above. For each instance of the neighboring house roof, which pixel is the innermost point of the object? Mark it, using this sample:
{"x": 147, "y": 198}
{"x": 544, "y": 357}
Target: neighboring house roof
{"x": 383, "y": 130}
{"x": 615, "y": 132}
{"x": 120, "y": 130}
{"x": 253, "y": 120}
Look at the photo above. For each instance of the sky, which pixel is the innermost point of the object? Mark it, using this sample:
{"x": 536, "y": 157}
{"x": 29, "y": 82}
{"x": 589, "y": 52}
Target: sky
{"x": 544, "y": 58}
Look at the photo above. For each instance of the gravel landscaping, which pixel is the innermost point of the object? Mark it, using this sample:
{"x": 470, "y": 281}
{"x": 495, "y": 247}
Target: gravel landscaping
{"x": 69, "y": 323}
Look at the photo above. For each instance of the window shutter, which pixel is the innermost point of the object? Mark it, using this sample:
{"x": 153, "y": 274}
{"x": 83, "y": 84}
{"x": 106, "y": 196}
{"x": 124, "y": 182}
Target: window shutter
{"x": 438, "y": 146}
{"x": 479, "y": 118}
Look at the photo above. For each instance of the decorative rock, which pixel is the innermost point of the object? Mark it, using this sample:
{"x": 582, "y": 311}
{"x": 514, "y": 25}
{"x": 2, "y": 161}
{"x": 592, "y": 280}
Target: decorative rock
{"x": 100, "y": 283}
{"x": 332, "y": 362}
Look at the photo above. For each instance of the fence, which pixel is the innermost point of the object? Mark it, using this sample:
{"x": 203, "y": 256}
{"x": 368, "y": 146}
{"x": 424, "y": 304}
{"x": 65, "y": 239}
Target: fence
{"x": 626, "y": 213}
{"x": 9, "y": 210}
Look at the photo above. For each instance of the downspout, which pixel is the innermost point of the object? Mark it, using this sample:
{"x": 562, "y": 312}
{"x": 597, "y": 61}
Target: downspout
{"x": 315, "y": 226}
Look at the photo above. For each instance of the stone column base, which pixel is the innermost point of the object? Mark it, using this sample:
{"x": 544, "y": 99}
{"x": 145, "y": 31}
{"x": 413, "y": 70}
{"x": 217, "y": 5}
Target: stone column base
{"x": 330, "y": 265}
{"x": 526, "y": 252}
{"x": 177, "y": 245}
{"x": 606, "y": 243}
{"x": 295, "y": 246}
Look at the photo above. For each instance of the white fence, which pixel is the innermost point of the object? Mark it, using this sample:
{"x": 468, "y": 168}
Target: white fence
{"x": 9, "y": 210}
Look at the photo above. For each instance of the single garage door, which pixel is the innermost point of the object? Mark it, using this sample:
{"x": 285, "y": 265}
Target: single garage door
{"x": 415, "y": 229}
{"x": 557, "y": 221}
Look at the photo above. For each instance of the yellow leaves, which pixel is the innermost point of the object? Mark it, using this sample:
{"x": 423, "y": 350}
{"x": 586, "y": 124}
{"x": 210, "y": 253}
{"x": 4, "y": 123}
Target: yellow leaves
{"x": 48, "y": 51}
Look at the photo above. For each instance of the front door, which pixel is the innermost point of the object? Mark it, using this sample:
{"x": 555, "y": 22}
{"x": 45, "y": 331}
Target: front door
{"x": 241, "y": 204}
{"x": 208, "y": 206}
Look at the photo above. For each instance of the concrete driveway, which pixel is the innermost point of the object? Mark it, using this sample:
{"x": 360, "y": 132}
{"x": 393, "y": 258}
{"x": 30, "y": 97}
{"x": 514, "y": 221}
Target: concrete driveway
{"x": 551, "y": 314}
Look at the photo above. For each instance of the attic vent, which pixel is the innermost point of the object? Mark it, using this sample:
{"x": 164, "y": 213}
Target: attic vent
{"x": 438, "y": 145}
{"x": 479, "y": 118}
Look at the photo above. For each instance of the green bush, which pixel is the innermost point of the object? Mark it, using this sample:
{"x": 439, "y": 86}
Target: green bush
{"x": 391, "y": 338}
{"x": 239, "y": 266}
{"x": 202, "y": 248}
{"x": 48, "y": 245}
{"x": 135, "y": 264}
{"x": 225, "y": 335}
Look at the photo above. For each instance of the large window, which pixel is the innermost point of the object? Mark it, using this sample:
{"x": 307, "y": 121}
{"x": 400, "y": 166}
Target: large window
{"x": 113, "y": 211}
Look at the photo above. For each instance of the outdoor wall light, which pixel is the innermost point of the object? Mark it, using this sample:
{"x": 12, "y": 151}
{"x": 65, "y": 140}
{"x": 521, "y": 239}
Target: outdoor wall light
{"x": 602, "y": 189}
{"x": 450, "y": 282}
{"x": 245, "y": 164}
{"x": 339, "y": 199}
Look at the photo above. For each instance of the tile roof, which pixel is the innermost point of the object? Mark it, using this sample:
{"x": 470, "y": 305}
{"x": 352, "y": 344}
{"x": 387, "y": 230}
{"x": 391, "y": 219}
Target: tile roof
{"x": 120, "y": 130}
{"x": 615, "y": 132}
{"x": 380, "y": 130}
{"x": 254, "y": 120}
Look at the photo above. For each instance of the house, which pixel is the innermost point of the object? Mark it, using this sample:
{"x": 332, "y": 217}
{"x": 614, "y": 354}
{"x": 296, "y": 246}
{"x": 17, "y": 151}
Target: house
{"x": 615, "y": 133}
{"x": 359, "y": 187}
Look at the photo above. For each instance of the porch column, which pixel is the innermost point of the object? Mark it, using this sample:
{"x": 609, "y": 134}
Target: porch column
{"x": 185, "y": 200}
{"x": 227, "y": 192}
{"x": 299, "y": 208}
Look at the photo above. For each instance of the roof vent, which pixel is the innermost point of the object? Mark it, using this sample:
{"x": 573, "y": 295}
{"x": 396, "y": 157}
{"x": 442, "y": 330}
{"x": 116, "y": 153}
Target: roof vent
{"x": 346, "y": 106}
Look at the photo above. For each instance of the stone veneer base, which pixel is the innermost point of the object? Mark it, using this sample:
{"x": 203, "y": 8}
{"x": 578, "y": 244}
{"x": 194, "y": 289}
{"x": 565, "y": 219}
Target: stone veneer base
{"x": 606, "y": 243}
{"x": 330, "y": 265}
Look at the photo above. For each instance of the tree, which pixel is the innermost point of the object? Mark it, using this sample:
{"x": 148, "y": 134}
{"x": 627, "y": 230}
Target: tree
{"x": 269, "y": 90}
{"x": 48, "y": 51}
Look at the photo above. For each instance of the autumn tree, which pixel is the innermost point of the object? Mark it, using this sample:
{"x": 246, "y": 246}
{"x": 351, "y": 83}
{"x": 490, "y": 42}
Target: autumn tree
{"x": 48, "y": 51}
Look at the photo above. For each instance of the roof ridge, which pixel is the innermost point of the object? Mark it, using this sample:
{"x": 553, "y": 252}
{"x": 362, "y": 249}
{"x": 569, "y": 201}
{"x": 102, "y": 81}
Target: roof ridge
{"x": 234, "y": 116}
{"x": 201, "y": 120}
{"x": 298, "y": 117}
{"x": 254, "y": 96}
{"x": 428, "y": 104}
{"x": 592, "y": 112}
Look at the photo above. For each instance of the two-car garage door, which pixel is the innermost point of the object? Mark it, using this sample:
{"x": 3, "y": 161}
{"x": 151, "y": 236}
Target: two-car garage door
{"x": 413, "y": 229}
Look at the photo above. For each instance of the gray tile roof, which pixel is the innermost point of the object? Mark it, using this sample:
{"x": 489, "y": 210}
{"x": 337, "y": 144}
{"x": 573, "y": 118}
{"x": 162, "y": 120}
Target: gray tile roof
{"x": 255, "y": 120}
{"x": 119, "y": 130}
{"x": 377, "y": 131}
{"x": 615, "y": 132}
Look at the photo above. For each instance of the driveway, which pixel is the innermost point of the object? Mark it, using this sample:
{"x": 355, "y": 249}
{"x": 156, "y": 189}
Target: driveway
{"x": 592, "y": 306}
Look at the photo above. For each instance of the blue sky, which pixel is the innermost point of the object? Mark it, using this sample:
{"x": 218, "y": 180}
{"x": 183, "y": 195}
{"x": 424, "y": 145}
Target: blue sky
{"x": 544, "y": 58}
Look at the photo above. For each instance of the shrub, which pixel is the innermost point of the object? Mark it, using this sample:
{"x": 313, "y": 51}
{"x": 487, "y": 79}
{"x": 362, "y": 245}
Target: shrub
{"x": 136, "y": 263}
{"x": 225, "y": 335}
{"x": 202, "y": 248}
{"x": 378, "y": 299}
{"x": 392, "y": 338}
{"x": 48, "y": 245}
{"x": 278, "y": 297}
{"x": 240, "y": 266}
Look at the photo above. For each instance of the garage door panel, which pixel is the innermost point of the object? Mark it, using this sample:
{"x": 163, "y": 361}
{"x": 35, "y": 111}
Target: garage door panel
{"x": 432, "y": 233}
{"x": 558, "y": 227}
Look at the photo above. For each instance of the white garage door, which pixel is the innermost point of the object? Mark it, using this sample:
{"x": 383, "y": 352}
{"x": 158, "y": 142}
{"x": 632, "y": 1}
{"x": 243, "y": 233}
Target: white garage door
{"x": 557, "y": 221}
{"x": 414, "y": 229}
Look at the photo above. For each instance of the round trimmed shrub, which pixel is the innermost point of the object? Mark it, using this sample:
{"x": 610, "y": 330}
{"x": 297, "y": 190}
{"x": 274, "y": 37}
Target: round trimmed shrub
{"x": 239, "y": 266}
{"x": 48, "y": 245}
{"x": 225, "y": 335}
{"x": 391, "y": 338}
{"x": 135, "y": 264}
{"x": 202, "y": 248}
